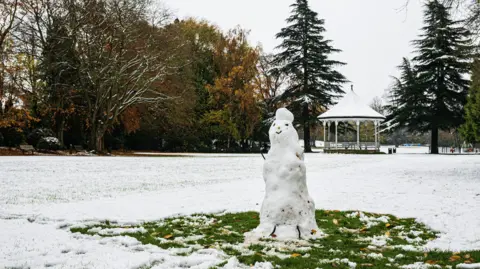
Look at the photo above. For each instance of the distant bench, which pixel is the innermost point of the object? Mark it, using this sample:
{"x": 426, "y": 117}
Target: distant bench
{"x": 27, "y": 148}
{"x": 78, "y": 148}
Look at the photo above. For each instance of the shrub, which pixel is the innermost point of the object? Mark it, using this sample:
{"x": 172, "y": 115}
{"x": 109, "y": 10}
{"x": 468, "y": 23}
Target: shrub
{"x": 12, "y": 137}
{"x": 48, "y": 143}
{"x": 34, "y": 137}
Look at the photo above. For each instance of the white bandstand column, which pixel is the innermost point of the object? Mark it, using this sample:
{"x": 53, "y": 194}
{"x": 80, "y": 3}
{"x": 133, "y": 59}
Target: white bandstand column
{"x": 336, "y": 134}
{"x": 324, "y": 134}
{"x": 376, "y": 134}
{"x": 328, "y": 133}
{"x": 358, "y": 134}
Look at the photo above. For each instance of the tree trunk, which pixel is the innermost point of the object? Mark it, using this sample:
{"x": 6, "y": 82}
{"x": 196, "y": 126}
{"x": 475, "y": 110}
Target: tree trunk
{"x": 93, "y": 138}
{"x": 434, "y": 140}
{"x": 306, "y": 129}
{"x": 99, "y": 143}
{"x": 60, "y": 128}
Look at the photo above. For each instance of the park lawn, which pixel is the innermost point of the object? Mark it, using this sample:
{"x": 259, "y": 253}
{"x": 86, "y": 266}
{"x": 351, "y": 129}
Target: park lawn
{"x": 354, "y": 240}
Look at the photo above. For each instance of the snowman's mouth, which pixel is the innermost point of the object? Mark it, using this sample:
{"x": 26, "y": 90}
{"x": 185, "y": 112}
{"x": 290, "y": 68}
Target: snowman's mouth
{"x": 279, "y": 132}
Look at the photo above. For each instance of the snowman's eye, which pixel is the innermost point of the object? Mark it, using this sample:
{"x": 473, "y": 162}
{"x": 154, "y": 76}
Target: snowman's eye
{"x": 274, "y": 124}
{"x": 286, "y": 124}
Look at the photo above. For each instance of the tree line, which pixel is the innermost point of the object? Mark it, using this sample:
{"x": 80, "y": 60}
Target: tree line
{"x": 124, "y": 74}
{"x": 110, "y": 74}
{"x": 435, "y": 90}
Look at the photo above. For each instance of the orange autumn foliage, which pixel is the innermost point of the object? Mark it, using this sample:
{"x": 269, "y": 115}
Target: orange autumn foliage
{"x": 130, "y": 119}
{"x": 234, "y": 96}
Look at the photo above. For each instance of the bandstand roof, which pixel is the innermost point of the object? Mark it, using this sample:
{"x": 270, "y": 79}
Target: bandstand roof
{"x": 351, "y": 108}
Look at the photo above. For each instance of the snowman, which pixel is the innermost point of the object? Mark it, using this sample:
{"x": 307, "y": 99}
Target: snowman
{"x": 288, "y": 211}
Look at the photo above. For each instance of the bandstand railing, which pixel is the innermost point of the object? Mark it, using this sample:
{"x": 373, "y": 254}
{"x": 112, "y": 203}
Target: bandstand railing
{"x": 352, "y": 145}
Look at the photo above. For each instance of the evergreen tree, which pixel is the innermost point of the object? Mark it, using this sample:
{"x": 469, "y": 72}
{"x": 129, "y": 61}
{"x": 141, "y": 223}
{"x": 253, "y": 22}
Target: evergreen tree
{"x": 470, "y": 130}
{"x": 445, "y": 53}
{"x": 304, "y": 58}
{"x": 408, "y": 103}
{"x": 443, "y": 61}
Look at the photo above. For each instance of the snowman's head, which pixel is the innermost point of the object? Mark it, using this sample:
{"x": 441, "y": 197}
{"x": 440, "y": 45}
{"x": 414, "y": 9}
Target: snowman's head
{"x": 282, "y": 131}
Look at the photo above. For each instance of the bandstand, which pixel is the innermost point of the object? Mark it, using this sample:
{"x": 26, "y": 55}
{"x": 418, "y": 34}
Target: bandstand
{"x": 351, "y": 109}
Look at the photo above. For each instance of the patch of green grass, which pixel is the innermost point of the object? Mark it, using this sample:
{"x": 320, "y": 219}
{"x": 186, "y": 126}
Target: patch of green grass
{"x": 366, "y": 239}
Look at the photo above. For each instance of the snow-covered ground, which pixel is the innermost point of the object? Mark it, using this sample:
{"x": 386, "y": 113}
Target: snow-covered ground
{"x": 39, "y": 196}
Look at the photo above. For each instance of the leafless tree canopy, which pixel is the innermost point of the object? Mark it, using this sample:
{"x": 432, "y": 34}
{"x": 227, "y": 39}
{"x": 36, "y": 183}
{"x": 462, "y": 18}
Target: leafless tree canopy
{"x": 112, "y": 54}
{"x": 377, "y": 105}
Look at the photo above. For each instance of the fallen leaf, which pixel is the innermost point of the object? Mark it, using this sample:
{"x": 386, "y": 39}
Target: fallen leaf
{"x": 387, "y": 234}
{"x": 273, "y": 235}
{"x": 366, "y": 264}
{"x": 388, "y": 225}
{"x": 154, "y": 234}
{"x": 454, "y": 258}
{"x": 431, "y": 262}
{"x": 314, "y": 231}
{"x": 425, "y": 254}
{"x": 364, "y": 249}
{"x": 335, "y": 221}
{"x": 294, "y": 255}
{"x": 467, "y": 256}
{"x": 168, "y": 236}
{"x": 467, "y": 262}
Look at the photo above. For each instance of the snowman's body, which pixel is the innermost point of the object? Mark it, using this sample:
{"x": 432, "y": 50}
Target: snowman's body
{"x": 288, "y": 211}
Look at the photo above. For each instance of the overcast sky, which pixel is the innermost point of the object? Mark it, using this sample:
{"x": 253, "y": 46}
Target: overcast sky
{"x": 373, "y": 34}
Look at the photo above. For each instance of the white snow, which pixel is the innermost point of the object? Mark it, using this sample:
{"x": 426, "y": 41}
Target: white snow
{"x": 420, "y": 265}
{"x": 468, "y": 266}
{"x": 351, "y": 107}
{"x": 372, "y": 221}
{"x": 118, "y": 231}
{"x": 375, "y": 256}
{"x": 52, "y": 192}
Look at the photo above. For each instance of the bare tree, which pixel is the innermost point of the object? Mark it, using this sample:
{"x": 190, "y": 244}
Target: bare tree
{"x": 123, "y": 60}
{"x": 270, "y": 84}
{"x": 8, "y": 11}
{"x": 377, "y": 105}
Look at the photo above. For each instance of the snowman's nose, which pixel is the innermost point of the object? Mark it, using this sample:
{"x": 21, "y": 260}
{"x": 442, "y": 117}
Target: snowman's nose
{"x": 278, "y": 127}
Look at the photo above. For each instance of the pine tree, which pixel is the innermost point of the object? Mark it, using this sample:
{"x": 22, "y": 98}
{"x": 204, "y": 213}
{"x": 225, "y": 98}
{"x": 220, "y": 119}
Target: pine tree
{"x": 304, "y": 58}
{"x": 470, "y": 130}
{"x": 444, "y": 59}
{"x": 407, "y": 100}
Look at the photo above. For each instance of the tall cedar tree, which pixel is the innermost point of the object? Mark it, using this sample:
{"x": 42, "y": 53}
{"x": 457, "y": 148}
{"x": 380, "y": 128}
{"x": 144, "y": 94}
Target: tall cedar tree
{"x": 408, "y": 103}
{"x": 471, "y": 129}
{"x": 444, "y": 59}
{"x": 304, "y": 58}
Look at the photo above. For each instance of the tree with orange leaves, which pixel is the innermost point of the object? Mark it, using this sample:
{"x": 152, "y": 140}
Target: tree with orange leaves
{"x": 234, "y": 95}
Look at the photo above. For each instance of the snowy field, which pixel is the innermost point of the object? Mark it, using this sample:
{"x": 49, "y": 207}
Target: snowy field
{"x": 41, "y": 196}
